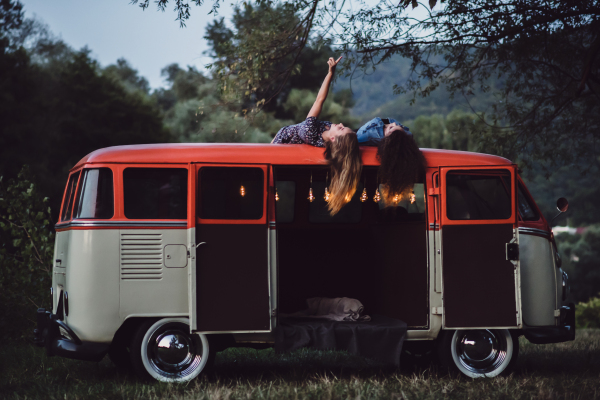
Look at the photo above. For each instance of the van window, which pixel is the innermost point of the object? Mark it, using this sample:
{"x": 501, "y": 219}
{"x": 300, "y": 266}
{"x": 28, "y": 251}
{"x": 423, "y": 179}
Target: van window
{"x": 95, "y": 194}
{"x": 285, "y": 201}
{"x": 318, "y": 213}
{"x": 155, "y": 193}
{"x": 477, "y": 195}
{"x": 69, "y": 195}
{"x": 231, "y": 193}
{"x": 526, "y": 209}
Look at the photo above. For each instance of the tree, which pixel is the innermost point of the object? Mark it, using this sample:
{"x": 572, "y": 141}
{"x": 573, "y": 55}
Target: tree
{"x": 545, "y": 52}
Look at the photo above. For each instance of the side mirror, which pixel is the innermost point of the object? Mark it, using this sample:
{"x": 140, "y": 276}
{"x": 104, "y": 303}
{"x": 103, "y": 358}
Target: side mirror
{"x": 562, "y": 205}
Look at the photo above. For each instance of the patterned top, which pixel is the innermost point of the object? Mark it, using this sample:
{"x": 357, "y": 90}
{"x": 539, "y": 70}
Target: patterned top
{"x": 310, "y": 132}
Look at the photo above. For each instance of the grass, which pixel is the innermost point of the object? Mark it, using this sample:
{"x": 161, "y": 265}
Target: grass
{"x": 559, "y": 371}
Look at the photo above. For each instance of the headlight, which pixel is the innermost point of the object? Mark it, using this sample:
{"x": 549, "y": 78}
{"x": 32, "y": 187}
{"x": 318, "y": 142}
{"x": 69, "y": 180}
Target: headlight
{"x": 565, "y": 286}
{"x": 64, "y": 333}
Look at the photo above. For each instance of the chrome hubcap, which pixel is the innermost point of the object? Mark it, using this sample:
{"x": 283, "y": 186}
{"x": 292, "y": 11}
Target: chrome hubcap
{"x": 480, "y": 351}
{"x": 172, "y": 352}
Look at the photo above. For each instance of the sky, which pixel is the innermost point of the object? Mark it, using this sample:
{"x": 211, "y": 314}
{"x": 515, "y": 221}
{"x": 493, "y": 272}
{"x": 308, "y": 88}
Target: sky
{"x": 113, "y": 29}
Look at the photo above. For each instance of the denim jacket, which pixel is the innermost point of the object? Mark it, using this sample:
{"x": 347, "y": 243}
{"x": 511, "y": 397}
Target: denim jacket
{"x": 372, "y": 132}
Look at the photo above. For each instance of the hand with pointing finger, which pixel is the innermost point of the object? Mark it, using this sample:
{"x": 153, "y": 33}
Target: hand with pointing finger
{"x": 333, "y": 63}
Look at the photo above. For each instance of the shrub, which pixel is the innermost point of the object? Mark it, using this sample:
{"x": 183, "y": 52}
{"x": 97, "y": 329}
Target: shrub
{"x": 26, "y": 250}
{"x": 587, "y": 315}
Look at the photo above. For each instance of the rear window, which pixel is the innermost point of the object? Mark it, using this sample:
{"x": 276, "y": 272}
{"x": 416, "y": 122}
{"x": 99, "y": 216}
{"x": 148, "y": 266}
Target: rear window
{"x": 478, "y": 195}
{"x": 69, "y": 196}
{"x": 95, "y": 197}
{"x": 155, "y": 193}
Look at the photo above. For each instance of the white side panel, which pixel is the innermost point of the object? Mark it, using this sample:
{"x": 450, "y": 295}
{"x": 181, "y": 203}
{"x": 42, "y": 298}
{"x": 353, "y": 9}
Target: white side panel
{"x": 191, "y": 271}
{"x": 538, "y": 286}
{"x": 92, "y": 281}
{"x": 147, "y": 287}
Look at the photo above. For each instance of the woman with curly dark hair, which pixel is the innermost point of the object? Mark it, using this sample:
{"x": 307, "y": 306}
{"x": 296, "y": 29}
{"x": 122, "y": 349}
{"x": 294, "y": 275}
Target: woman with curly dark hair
{"x": 402, "y": 163}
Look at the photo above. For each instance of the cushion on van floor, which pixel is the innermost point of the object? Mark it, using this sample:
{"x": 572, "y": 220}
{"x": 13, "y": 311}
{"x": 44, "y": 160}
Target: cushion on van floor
{"x": 381, "y": 338}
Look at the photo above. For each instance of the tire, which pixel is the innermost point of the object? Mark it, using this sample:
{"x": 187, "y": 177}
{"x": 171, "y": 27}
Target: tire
{"x": 478, "y": 353}
{"x": 166, "y": 351}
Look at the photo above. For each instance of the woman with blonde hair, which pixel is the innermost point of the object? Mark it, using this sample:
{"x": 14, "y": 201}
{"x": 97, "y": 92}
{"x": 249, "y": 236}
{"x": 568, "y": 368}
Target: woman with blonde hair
{"x": 340, "y": 142}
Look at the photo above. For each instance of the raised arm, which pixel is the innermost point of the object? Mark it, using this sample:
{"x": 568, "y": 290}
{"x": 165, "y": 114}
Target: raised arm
{"x": 318, "y": 105}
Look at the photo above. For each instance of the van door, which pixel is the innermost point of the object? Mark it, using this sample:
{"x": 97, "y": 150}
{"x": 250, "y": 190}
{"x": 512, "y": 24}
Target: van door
{"x": 480, "y": 266}
{"x": 229, "y": 283}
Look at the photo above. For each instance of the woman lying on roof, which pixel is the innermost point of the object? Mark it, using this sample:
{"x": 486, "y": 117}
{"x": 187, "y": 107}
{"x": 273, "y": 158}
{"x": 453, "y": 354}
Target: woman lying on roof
{"x": 340, "y": 142}
{"x": 402, "y": 163}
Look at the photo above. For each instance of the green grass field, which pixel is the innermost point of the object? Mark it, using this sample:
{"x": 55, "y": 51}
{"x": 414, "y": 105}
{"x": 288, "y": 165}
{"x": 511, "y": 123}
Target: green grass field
{"x": 560, "y": 371}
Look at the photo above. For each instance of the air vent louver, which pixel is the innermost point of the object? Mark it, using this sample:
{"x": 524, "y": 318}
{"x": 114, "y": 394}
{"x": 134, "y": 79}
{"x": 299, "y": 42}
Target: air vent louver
{"x": 141, "y": 256}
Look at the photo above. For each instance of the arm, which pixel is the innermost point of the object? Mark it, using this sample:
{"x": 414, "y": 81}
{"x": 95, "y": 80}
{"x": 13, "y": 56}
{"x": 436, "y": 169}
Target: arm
{"x": 318, "y": 105}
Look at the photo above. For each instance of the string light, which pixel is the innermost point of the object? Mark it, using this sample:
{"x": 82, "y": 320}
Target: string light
{"x": 276, "y": 195}
{"x": 377, "y": 196}
{"x": 348, "y": 197}
{"x": 327, "y": 196}
{"x": 413, "y": 198}
{"x": 363, "y": 196}
{"x": 310, "y": 192}
{"x": 396, "y": 199}
{"x": 242, "y": 191}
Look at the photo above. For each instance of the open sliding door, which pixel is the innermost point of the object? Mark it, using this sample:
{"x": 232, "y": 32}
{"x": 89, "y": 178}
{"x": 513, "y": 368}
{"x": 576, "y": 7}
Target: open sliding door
{"x": 480, "y": 248}
{"x": 229, "y": 281}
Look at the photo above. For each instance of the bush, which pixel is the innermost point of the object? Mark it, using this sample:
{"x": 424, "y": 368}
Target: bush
{"x": 26, "y": 250}
{"x": 587, "y": 315}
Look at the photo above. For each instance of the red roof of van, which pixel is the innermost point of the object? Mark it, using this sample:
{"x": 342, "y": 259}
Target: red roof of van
{"x": 254, "y": 153}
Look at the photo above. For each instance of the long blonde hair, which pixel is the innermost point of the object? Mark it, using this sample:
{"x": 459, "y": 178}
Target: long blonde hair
{"x": 343, "y": 157}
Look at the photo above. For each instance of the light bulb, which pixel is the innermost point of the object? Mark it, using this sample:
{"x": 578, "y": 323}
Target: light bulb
{"x": 310, "y": 195}
{"x": 413, "y": 198}
{"x": 396, "y": 199}
{"x": 363, "y": 196}
{"x": 377, "y": 196}
{"x": 327, "y": 196}
{"x": 276, "y": 195}
{"x": 242, "y": 191}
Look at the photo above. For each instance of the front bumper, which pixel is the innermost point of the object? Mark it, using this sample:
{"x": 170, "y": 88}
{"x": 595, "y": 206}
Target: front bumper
{"x": 554, "y": 334}
{"x": 60, "y": 340}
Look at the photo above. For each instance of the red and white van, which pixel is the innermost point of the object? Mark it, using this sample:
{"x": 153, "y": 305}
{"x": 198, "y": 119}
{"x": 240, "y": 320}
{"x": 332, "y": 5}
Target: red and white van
{"x": 164, "y": 252}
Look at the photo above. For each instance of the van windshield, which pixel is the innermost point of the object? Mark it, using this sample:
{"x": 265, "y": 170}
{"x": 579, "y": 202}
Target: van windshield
{"x": 95, "y": 197}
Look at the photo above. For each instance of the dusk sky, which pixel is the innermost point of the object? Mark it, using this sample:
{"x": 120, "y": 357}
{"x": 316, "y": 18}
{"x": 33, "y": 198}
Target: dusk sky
{"x": 112, "y": 29}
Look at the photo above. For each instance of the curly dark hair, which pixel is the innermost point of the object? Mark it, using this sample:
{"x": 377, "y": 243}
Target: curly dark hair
{"x": 402, "y": 163}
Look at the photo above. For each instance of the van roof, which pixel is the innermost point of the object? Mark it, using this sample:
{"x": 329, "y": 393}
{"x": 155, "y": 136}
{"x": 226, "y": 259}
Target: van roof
{"x": 254, "y": 153}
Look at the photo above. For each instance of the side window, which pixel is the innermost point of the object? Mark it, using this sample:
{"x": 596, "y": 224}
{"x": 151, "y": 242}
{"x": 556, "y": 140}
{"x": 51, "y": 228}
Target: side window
{"x": 231, "y": 193}
{"x": 155, "y": 193}
{"x": 69, "y": 196}
{"x": 95, "y": 197}
{"x": 526, "y": 209}
{"x": 478, "y": 195}
{"x": 318, "y": 213}
{"x": 285, "y": 201}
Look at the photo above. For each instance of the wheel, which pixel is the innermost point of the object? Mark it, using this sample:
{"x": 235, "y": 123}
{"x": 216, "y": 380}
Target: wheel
{"x": 166, "y": 351}
{"x": 478, "y": 353}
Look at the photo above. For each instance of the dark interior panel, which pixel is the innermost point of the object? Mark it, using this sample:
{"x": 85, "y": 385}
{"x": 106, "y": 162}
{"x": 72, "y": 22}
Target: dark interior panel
{"x": 232, "y": 283}
{"x": 479, "y": 283}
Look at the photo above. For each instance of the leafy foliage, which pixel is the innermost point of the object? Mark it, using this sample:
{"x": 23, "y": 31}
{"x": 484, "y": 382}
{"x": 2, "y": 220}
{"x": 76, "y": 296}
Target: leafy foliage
{"x": 57, "y": 105}
{"x": 25, "y": 254}
{"x": 544, "y": 52}
{"x": 587, "y": 315}
{"x": 581, "y": 260}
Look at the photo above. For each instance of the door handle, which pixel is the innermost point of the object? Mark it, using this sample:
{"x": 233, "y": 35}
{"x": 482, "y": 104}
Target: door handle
{"x": 200, "y": 244}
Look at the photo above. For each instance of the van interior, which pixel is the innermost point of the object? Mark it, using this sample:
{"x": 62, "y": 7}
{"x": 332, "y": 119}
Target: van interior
{"x": 368, "y": 251}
